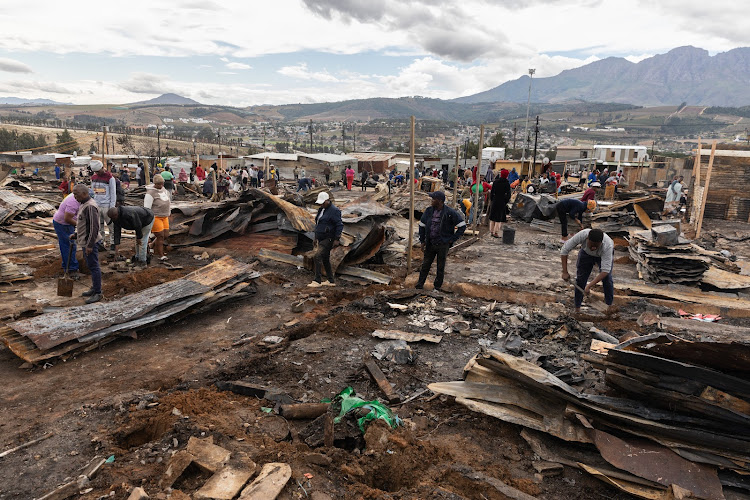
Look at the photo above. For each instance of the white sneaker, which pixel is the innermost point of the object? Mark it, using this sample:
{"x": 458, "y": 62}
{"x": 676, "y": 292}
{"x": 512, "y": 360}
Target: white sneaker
{"x": 314, "y": 284}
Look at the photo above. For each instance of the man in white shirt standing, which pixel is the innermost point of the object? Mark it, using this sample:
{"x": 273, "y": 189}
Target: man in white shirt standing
{"x": 596, "y": 248}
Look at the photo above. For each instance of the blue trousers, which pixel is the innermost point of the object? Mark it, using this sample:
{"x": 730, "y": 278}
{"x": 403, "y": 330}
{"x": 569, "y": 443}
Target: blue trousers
{"x": 584, "y": 266}
{"x": 63, "y": 239}
{"x": 92, "y": 261}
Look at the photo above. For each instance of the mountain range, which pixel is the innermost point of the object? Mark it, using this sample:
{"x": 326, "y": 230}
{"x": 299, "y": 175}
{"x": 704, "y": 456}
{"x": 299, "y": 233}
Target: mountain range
{"x": 18, "y": 101}
{"x": 685, "y": 74}
{"x": 168, "y": 99}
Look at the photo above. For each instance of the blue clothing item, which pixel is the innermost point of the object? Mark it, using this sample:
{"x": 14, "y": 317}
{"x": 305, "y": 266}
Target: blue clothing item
{"x": 328, "y": 225}
{"x": 452, "y": 226}
{"x": 435, "y": 225}
{"x": 584, "y": 266}
{"x": 304, "y": 184}
{"x": 57, "y": 172}
{"x": 512, "y": 176}
{"x": 92, "y": 261}
{"x": 141, "y": 252}
{"x": 63, "y": 239}
{"x": 574, "y": 208}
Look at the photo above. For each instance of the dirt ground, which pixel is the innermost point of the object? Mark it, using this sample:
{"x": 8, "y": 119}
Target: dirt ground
{"x": 141, "y": 400}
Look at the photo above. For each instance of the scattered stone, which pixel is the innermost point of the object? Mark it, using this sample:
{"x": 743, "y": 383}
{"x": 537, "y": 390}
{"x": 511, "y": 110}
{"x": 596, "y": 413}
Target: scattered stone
{"x": 138, "y": 494}
{"x": 273, "y": 339}
{"x": 318, "y": 459}
{"x": 298, "y": 307}
{"x": 397, "y": 351}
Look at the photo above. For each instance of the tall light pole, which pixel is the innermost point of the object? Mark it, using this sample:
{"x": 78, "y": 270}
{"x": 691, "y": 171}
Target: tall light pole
{"x": 528, "y": 106}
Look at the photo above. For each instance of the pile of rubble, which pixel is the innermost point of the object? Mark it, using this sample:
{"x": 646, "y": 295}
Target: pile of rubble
{"x": 672, "y": 440}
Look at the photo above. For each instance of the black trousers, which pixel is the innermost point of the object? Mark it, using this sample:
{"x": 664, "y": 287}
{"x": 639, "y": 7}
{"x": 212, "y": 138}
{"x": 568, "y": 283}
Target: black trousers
{"x": 323, "y": 259}
{"x": 430, "y": 252}
{"x": 563, "y": 216}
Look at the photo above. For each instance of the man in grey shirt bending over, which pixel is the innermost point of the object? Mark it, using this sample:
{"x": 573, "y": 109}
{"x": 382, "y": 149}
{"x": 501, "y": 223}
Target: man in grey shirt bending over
{"x": 596, "y": 248}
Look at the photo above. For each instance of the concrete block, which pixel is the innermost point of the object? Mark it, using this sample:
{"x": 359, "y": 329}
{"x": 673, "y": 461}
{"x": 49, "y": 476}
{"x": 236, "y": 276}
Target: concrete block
{"x": 225, "y": 484}
{"x": 665, "y": 235}
{"x": 269, "y": 483}
{"x": 206, "y": 454}
{"x": 177, "y": 465}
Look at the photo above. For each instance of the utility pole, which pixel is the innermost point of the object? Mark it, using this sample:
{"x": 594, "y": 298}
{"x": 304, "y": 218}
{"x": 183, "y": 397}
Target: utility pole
{"x": 536, "y": 138}
{"x": 311, "y": 137}
{"x": 104, "y": 141}
{"x": 528, "y": 106}
{"x": 515, "y": 129}
{"x": 158, "y": 143}
{"x": 343, "y": 138}
{"x": 466, "y": 151}
{"x": 264, "y": 138}
{"x": 354, "y": 133}
{"x": 411, "y": 198}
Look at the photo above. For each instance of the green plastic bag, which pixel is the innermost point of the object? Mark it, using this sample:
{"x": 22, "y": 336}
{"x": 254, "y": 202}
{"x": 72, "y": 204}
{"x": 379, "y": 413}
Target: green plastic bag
{"x": 377, "y": 409}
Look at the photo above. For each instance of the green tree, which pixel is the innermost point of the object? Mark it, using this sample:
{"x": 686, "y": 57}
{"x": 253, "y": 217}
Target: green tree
{"x": 206, "y": 134}
{"x": 497, "y": 141}
{"x": 66, "y": 142}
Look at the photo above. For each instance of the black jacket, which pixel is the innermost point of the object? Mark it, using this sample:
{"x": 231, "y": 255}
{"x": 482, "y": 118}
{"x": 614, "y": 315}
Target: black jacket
{"x": 134, "y": 219}
{"x": 330, "y": 224}
{"x": 450, "y": 220}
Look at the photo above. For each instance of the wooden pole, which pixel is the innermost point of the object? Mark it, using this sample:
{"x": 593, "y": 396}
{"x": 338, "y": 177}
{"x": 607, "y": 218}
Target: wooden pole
{"x": 104, "y": 161}
{"x": 475, "y": 206}
{"x": 411, "y": 200}
{"x": 455, "y": 183}
{"x": 705, "y": 190}
{"x": 146, "y": 173}
{"x": 697, "y": 167}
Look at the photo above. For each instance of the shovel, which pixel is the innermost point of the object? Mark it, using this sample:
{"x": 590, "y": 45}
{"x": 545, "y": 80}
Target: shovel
{"x": 65, "y": 284}
{"x": 599, "y": 306}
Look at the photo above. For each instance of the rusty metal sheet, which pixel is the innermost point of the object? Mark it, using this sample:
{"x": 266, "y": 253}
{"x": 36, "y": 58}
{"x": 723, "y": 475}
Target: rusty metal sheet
{"x": 725, "y": 280}
{"x": 25, "y": 203}
{"x": 657, "y": 463}
{"x": 364, "y": 207}
{"x": 52, "y": 329}
{"x": 301, "y": 219}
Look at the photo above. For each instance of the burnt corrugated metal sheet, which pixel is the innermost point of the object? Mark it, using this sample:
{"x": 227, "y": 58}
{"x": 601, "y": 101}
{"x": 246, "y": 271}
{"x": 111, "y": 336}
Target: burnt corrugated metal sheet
{"x": 301, "y": 219}
{"x": 52, "y": 329}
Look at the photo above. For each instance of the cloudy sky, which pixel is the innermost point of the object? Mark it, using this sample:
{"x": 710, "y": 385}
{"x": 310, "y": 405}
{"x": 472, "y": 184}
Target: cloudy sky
{"x": 248, "y": 52}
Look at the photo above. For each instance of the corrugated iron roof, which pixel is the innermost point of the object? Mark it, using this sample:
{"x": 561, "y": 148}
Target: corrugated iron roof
{"x": 274, "y": 156}
{"x": 330, "y": 158}
{"x": 374, "y": 156}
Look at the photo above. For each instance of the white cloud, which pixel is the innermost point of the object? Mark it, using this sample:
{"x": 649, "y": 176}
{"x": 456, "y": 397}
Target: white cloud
{"x": 302, "y": 72}
{"x": 238, "y": 65}
{"x": 29, "y": 85}
{"x": 453, "y": 48}
{"x": 13, "y": 66}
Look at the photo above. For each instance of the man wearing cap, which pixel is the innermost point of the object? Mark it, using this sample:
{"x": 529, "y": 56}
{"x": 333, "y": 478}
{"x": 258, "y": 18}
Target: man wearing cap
{"x": 439, "y": 228}
{"x": 104, "y": 186}
{"x": 328, "y": 229}
{"x": 596, "y": 248}
{"x": 575, "y": 209}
